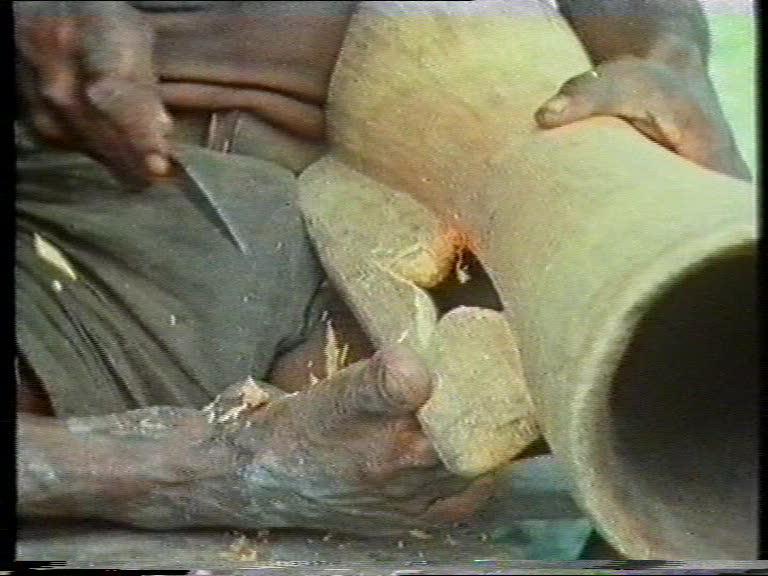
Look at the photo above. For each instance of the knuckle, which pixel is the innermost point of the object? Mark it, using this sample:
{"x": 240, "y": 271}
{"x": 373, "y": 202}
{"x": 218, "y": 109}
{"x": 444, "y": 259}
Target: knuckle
{"x": 578, "y": 83}
{"x": 57, "y": 95}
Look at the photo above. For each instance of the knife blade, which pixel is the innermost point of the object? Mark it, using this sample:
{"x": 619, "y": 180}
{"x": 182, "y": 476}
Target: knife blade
{"x": 201, "y": 197}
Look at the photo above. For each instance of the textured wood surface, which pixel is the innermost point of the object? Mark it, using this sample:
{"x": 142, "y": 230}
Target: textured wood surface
{"x": 580, "y": 228}
{"x": 381, "y": 248}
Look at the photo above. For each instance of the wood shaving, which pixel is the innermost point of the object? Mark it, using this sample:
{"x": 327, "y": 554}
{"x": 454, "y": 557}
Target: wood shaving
{"x": 252, "y": 396}
{"x": 335, "y": 354}
{"x": 209, "y": 410}
{"x": 149, "y": 425}
{"x": 48, "y": 252}
{"x": 232, "y": 413}
{"x": 461, "y": 270}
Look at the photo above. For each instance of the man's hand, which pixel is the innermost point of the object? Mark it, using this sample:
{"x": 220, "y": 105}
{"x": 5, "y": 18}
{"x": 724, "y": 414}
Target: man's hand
{"x": 349, "y": 455}
{"x": 678, "y": 110}
{"x": 650, "y": 68}
{"x": 346, "y": 455}
{"x": 86, "y": 74}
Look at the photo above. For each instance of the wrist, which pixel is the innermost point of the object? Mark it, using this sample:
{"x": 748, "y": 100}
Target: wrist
{"x": 680, "y": 54}
{"x": 63, "y": 475}
{"x": 112, "y": 467}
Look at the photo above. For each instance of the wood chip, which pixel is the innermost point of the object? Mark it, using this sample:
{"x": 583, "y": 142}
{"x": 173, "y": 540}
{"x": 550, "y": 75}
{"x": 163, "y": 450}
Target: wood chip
{"x": 461, "y": 269}
{"x": 48, "y": 252}
{"x": 334, "y": 354}
{"x": 253, "y": 394}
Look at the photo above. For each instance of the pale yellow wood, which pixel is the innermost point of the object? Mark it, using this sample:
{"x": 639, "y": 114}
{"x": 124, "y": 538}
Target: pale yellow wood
{"x": 377, "y": 246}
{"x": 480, "y": 415}
{"x": 380, "y": 247}
{"x": 580, "y": 229}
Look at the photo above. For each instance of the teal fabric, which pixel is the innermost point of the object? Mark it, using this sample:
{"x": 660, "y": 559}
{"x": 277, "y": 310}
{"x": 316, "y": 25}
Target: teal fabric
{"x": 163, "y": 309}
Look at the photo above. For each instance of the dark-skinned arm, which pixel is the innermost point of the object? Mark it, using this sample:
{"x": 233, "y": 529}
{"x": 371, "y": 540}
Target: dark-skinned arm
{"x": 346, "y": 454}
{"x": 676, "y": 32}
{"x": 650, "y": 67}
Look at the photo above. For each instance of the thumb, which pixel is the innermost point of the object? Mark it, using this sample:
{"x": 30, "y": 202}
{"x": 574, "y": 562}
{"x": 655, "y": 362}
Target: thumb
{"x": 393, "y": 382}
{"x": 396, "y": 382}
{"x": 581, "y": 97}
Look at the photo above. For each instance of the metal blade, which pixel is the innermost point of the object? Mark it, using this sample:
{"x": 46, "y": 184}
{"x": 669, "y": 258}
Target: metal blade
{"x": 202, "y": 198}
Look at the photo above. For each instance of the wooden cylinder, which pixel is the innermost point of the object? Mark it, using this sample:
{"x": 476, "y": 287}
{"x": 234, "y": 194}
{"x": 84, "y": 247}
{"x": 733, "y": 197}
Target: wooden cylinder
{"x": 625, "y": 270}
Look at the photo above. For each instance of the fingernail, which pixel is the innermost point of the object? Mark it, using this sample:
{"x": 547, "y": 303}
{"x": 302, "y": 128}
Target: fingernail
{"x": 556, "y": 105}
{"x": 157, "y": 165}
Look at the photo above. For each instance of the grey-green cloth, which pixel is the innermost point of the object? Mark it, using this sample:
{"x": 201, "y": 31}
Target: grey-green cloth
{"x": 129, "y": 299}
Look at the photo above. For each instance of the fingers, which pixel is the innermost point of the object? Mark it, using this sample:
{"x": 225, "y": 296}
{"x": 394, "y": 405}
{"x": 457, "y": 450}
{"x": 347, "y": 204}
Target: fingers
{"x": 93, "y": 86}
{"x": 44, "y": 120}
{"x": 137, "y": 114}
{"x": 121, "y": 84}
{"x": 121, "y": 87}
{"x": 464, "y": 505}
{"x": 681, "y": 114}
{"x": 644, "y": 95}
{"x": 581, "y": 97}
{"x": 49, "y": 85}
{"x": 51, "y": 48}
